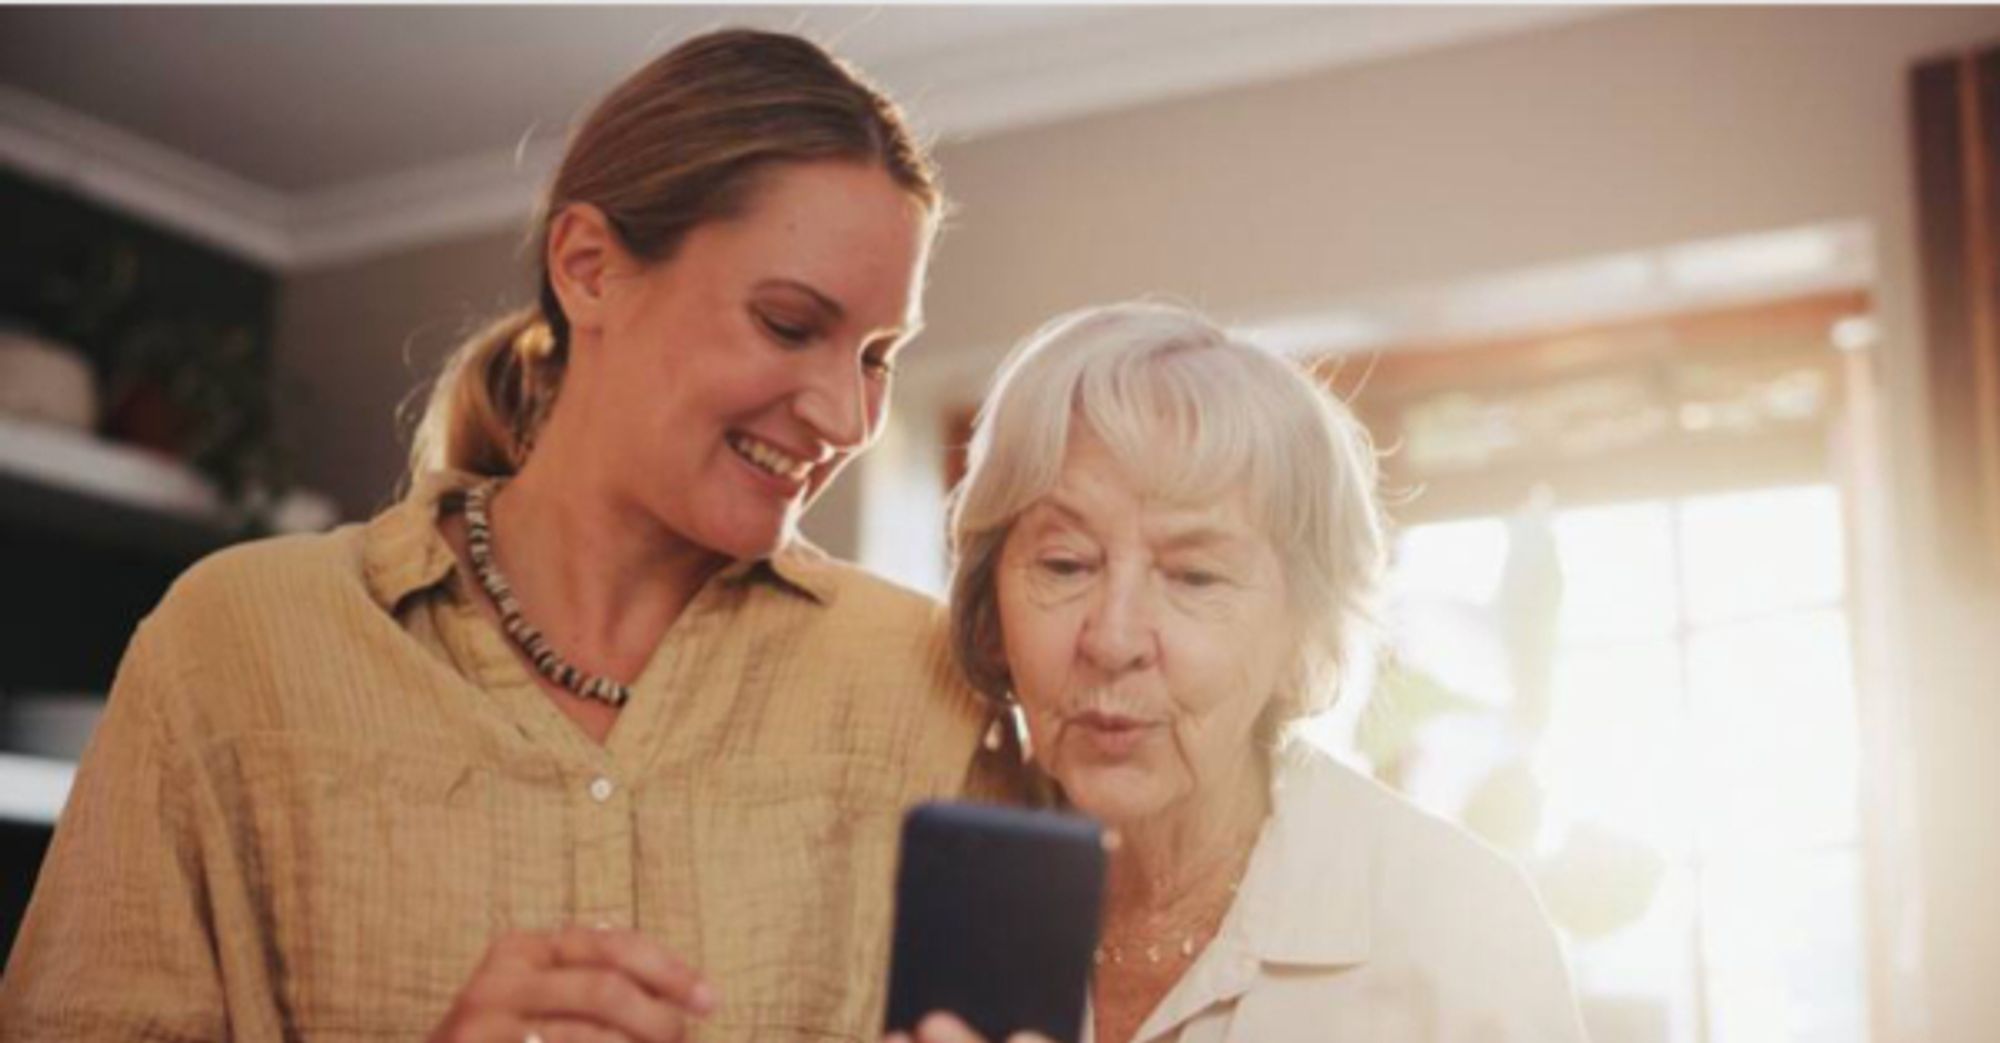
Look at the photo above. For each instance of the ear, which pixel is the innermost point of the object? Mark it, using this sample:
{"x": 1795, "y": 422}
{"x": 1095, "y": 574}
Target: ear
{"x": 583, "y": 251}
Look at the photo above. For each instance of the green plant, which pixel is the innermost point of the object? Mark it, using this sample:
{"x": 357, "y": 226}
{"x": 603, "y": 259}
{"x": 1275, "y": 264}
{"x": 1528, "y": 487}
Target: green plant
{"x": 177, "y": 373}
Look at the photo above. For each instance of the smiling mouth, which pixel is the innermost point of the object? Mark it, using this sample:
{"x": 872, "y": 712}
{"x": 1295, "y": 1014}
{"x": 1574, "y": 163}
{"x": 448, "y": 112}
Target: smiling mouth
{"x": 769, "y": 458}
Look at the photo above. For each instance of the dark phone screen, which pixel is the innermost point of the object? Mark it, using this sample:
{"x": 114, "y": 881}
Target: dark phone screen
{"x": 997, "y": 911}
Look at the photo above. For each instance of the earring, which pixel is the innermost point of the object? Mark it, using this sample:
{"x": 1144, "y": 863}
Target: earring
{"x": 1020, "y": 718}
{"x": 1009, "y": 716}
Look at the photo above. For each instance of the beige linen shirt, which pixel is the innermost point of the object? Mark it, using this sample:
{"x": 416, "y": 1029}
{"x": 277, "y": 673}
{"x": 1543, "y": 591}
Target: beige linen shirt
{"x": 1363, "y": 918}
{"x": 324, "y": 782}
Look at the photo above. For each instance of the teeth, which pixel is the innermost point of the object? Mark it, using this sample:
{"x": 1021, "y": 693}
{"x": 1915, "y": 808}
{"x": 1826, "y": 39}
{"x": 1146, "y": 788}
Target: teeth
{"x": 768, "y": 458}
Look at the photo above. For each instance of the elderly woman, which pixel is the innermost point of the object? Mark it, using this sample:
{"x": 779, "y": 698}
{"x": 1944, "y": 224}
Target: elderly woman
{"x": 1165, "y": 540}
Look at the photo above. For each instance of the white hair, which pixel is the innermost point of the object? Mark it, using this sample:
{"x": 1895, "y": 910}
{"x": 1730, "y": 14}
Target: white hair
{"x": 1195, "y": 415}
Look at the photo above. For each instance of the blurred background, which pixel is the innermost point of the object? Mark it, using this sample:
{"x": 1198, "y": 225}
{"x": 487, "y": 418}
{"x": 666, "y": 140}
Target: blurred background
{"x": 1676, "y": 328}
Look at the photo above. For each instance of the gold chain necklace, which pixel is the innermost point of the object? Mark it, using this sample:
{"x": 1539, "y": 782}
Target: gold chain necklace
{"x": 1174, "y": 945}
{"x": 1158, "y": 950}
{"x": 548, "y": 662}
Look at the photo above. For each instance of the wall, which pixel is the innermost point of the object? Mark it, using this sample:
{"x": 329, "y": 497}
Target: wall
{"x": 360, "y": 337}
{"x": 1630, "y": 131}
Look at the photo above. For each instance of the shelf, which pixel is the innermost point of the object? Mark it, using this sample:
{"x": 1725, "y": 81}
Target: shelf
{"x": 59, "y": 479}
{"x": 33, "y": 789}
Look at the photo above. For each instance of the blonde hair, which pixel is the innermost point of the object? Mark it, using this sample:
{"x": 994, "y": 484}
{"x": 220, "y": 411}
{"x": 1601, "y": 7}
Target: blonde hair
{"x": 679, "y": 143}
{"x": 1193, "y": 414}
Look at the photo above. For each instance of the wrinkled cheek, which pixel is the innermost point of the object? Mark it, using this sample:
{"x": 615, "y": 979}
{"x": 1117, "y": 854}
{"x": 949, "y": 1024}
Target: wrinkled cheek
{"x": 1254, "y": 684}
{"x": 1209, "y": 744}
{"x": 1043, "y": 735}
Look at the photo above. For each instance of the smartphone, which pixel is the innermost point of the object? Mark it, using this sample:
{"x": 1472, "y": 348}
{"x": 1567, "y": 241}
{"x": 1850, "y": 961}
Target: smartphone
{"x": 997, "y": 912}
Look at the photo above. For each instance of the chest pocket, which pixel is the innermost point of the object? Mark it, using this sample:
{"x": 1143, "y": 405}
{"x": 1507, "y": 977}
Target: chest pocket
{"x": 795, "y": 865}
{"x": 375, "y": 876}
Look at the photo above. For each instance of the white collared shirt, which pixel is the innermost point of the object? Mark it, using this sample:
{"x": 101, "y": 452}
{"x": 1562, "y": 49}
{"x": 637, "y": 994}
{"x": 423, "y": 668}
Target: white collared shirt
{"x": 1362, "y": 918}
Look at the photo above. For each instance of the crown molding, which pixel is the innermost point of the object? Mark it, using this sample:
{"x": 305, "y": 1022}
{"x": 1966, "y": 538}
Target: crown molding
{"x": 100, "y": 162}
{"x": 279, "y": 231}
{"x": 1114, "y": 63}
{"x": 954, "y": 93}
{"x": 467, "y": 196}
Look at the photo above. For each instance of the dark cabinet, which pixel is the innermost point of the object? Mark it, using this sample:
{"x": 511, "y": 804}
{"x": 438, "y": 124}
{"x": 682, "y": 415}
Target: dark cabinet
{"x": 94, "y": 526}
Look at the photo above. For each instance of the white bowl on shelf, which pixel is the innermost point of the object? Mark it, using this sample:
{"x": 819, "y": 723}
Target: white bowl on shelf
{"x": 44, "y": 733}
{"x": 47, "y": 382}
{"x": 34, "y": 789}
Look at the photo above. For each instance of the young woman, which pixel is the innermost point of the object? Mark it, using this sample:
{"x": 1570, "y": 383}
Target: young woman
{"x": 579, "y": 741}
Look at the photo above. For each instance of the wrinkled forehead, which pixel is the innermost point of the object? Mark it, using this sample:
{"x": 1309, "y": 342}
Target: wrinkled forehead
{"x": 1106, "y": 506}
{"x": 1178, "y": 482}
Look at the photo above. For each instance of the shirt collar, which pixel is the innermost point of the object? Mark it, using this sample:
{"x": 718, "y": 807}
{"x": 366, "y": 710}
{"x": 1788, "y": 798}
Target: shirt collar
{"x": 1306, "y": 896}
{"x": 798, "y": 564}
{"x": 403, "y": 552}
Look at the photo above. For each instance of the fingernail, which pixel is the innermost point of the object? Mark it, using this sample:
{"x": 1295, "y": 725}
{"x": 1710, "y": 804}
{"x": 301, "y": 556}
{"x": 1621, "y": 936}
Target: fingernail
{"x": 702, "y": 996}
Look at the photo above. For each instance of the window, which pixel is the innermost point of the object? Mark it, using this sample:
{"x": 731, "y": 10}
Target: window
{"x": 1621, "y": 649}
{"x": 1691, "y": 792}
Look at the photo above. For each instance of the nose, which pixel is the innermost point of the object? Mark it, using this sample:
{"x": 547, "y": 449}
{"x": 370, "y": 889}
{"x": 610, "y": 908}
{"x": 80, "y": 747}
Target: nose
{"x": 837, "y": 401}
{"x": 1118, "y": 635}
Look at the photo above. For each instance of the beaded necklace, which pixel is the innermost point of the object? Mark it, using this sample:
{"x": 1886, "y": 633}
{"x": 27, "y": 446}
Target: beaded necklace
{"x": 550, "y": 663}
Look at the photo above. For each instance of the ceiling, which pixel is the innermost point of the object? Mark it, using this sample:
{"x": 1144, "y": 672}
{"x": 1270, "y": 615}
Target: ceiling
{"x": 304, "y": 135}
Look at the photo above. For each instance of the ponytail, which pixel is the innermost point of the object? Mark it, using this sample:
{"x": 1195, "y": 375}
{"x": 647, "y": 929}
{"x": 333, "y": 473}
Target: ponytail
{"x": 491, "y": 398}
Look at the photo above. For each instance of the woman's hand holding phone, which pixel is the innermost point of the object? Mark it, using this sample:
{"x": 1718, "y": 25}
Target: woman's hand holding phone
{"x": 576, "y": 984}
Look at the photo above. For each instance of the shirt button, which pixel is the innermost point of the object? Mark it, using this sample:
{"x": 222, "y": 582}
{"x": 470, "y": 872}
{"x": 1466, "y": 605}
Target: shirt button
{"x": 600, "y": 789}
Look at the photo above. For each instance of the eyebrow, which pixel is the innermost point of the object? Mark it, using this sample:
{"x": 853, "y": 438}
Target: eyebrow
{"x": 835, "y": 309}
{"x": 1198, "y": 536}
{"x": 1053, "y": 502}
{"x": 825, "y": 303}
{"x": 1202, "y": 537}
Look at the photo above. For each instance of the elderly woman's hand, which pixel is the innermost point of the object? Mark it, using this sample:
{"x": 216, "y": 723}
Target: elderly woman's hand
{"x": 576, "y": 984}
{"x": 940, "y": 1027}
